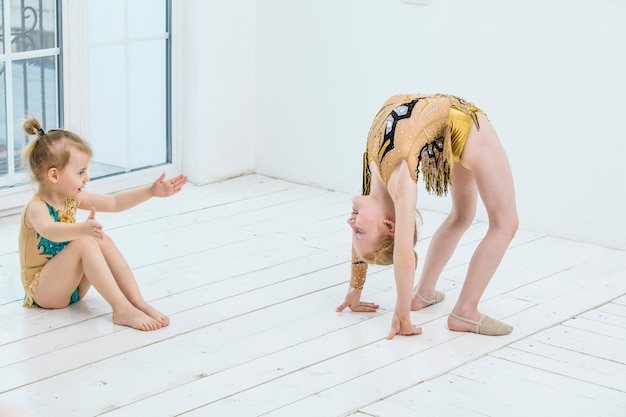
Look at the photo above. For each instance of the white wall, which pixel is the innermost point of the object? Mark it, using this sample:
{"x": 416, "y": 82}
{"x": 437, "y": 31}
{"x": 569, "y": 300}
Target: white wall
{"x": 213, "y": 59}
{"x": 288, "y": 88}
{"x": 550, "y": 74}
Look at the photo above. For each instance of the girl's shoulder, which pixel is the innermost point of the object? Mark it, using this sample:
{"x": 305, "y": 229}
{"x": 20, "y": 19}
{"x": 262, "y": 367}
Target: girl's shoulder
{"x": 36, "y": 205}
{"x": 36, "y": 201}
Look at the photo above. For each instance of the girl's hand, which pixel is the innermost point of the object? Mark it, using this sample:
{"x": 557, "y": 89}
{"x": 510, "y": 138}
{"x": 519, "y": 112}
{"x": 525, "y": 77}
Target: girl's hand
{"x": 401, "y": 324}
{"x": 162, "y": 188}
{"x": 94, "y": 228}
{"x": 353, "y": 301}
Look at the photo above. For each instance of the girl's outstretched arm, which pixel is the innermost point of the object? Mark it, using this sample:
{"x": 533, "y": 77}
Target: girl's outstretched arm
{"x": 123, "y": 200}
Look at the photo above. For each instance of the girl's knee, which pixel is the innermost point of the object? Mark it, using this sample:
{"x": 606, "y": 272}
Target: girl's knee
{"x": 514, "y": 222}
{"x": 105, "y": 239}
{"x": 462, "y": 219}
{"x": 507, "y": 225}
{"x": 86, "y": 243}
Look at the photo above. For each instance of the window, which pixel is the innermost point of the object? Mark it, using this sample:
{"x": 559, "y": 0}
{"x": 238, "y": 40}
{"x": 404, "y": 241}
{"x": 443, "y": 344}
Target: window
{"x": 112, "y": 68}
{"x": 29, "y": 74}
{"x": 128, "y": 108}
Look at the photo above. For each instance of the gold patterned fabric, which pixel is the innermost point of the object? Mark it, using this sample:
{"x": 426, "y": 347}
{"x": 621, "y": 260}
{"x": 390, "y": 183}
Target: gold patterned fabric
{"x": 36, "y": 250}
{"x": 428, "y": 131}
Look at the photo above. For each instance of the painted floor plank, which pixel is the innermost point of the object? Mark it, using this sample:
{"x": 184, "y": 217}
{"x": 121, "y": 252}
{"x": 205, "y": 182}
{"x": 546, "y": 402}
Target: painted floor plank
{"x": 250, "y": 271}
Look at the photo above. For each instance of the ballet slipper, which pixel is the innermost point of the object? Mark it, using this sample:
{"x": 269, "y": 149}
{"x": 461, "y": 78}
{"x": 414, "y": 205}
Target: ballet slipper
{"x": 487, "y": 325}
{"x": 439, "y": 297}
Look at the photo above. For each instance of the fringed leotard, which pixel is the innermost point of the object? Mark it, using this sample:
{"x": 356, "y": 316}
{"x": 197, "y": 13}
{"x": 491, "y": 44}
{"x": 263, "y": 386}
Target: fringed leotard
{"x": 427, "y": 131}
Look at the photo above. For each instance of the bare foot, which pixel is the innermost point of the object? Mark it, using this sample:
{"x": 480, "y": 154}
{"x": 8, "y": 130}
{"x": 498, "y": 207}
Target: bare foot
{"x": 154, "y": 313}
{"x": 135, "y": 318}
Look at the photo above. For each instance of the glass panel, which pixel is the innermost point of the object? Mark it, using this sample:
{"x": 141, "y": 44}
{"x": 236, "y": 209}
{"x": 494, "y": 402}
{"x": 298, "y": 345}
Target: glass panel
{"x": 34, "y": 93}
{"x": 105, "y": 21}
{"x": 107, "y": 109}
{"x": 33, "y": 25}
{"x": 29, "y": 78}
{"x": 146, "y": 18}
{"x": 148, "y": 118}
{"x": 128, "y": 85}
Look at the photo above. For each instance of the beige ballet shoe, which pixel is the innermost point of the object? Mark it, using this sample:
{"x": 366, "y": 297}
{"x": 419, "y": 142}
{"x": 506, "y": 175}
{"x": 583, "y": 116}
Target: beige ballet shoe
{"x": 487, "y": 325}
{"x": 439, "y": 297}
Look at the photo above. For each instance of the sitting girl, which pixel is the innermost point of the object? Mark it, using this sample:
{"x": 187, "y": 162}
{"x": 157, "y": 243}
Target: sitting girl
{"x": 61, "y": 259}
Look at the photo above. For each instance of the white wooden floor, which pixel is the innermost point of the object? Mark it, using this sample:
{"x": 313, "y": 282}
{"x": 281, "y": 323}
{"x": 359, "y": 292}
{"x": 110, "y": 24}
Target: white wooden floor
{"x": 250, "y": 271}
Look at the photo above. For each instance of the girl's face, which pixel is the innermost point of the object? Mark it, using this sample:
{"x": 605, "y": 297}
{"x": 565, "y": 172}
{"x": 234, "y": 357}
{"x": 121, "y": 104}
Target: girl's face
{"x": 72, "y": 178}
{"x": 367, "y": 223}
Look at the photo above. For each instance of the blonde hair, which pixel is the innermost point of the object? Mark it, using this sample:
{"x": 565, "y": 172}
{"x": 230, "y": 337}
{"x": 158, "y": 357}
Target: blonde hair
{"x": 383, "y": 255}
{"x": 49, "y": 149}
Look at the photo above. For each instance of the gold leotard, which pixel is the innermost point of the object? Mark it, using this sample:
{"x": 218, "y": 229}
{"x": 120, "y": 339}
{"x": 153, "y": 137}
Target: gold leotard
{"x": 429, "y": 132}
{"x": 35, "y": 250}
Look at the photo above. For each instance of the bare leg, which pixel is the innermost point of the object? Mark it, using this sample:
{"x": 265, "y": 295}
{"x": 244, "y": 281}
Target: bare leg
{"x": 446, "y": 238}
{"x": 83, "y": 258}
{"x": 485, "y": 157}
{"x": 126, "y": 280}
